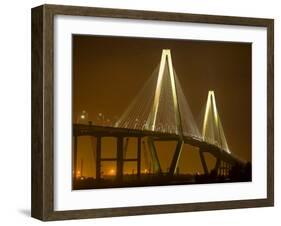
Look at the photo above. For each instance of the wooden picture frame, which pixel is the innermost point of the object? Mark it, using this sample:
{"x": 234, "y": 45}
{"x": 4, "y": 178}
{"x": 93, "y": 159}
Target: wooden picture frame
{"x": 42, "y": 203}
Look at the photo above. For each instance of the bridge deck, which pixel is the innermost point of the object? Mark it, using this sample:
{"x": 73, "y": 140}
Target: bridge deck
{"x": 105, "y": 131}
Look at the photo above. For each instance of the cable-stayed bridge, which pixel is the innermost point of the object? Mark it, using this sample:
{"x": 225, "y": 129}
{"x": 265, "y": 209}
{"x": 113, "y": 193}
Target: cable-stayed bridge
{"x": 160, "y": 112}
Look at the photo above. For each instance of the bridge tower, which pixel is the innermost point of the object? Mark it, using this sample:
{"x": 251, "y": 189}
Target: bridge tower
{"x": 212, "y": 133}
{"x": 166, "y": 69}
{"x": 166, "y": 65}
{"x": 212, "y": 130}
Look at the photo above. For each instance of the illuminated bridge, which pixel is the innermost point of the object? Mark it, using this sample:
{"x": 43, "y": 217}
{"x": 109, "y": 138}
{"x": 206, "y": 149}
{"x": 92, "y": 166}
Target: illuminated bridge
{"x": 160, "y": 112}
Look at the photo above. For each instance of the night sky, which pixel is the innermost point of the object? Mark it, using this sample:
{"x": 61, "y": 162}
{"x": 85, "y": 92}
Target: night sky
{"x": 108, "y": 72}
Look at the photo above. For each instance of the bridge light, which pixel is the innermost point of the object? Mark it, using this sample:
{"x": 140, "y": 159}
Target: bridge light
{"x": 82, "y": 117}
{"x": 111, "y": 171}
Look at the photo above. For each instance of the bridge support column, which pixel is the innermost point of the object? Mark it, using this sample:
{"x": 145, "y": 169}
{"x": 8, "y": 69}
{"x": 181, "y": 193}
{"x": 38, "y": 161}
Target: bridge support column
{"x": 203, "y": 161}
{"x": 217, "y": 166}
{"x": 228, "y": 169}
{"x": 98, "y": 159}
{"x": 156, "y": 167}
{"x": 75, "y": 153}
{"x": 139, "y": 157}
{"x": 176, "y": 157}
{"x": 119, "y": 173}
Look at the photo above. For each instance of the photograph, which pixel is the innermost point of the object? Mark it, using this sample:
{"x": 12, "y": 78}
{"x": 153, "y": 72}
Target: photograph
{"x": 160, "y": 112}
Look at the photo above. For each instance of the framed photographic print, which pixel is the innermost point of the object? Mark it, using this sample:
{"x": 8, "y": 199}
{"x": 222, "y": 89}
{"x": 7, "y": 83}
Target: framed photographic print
{"x": 141, "y": 112}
